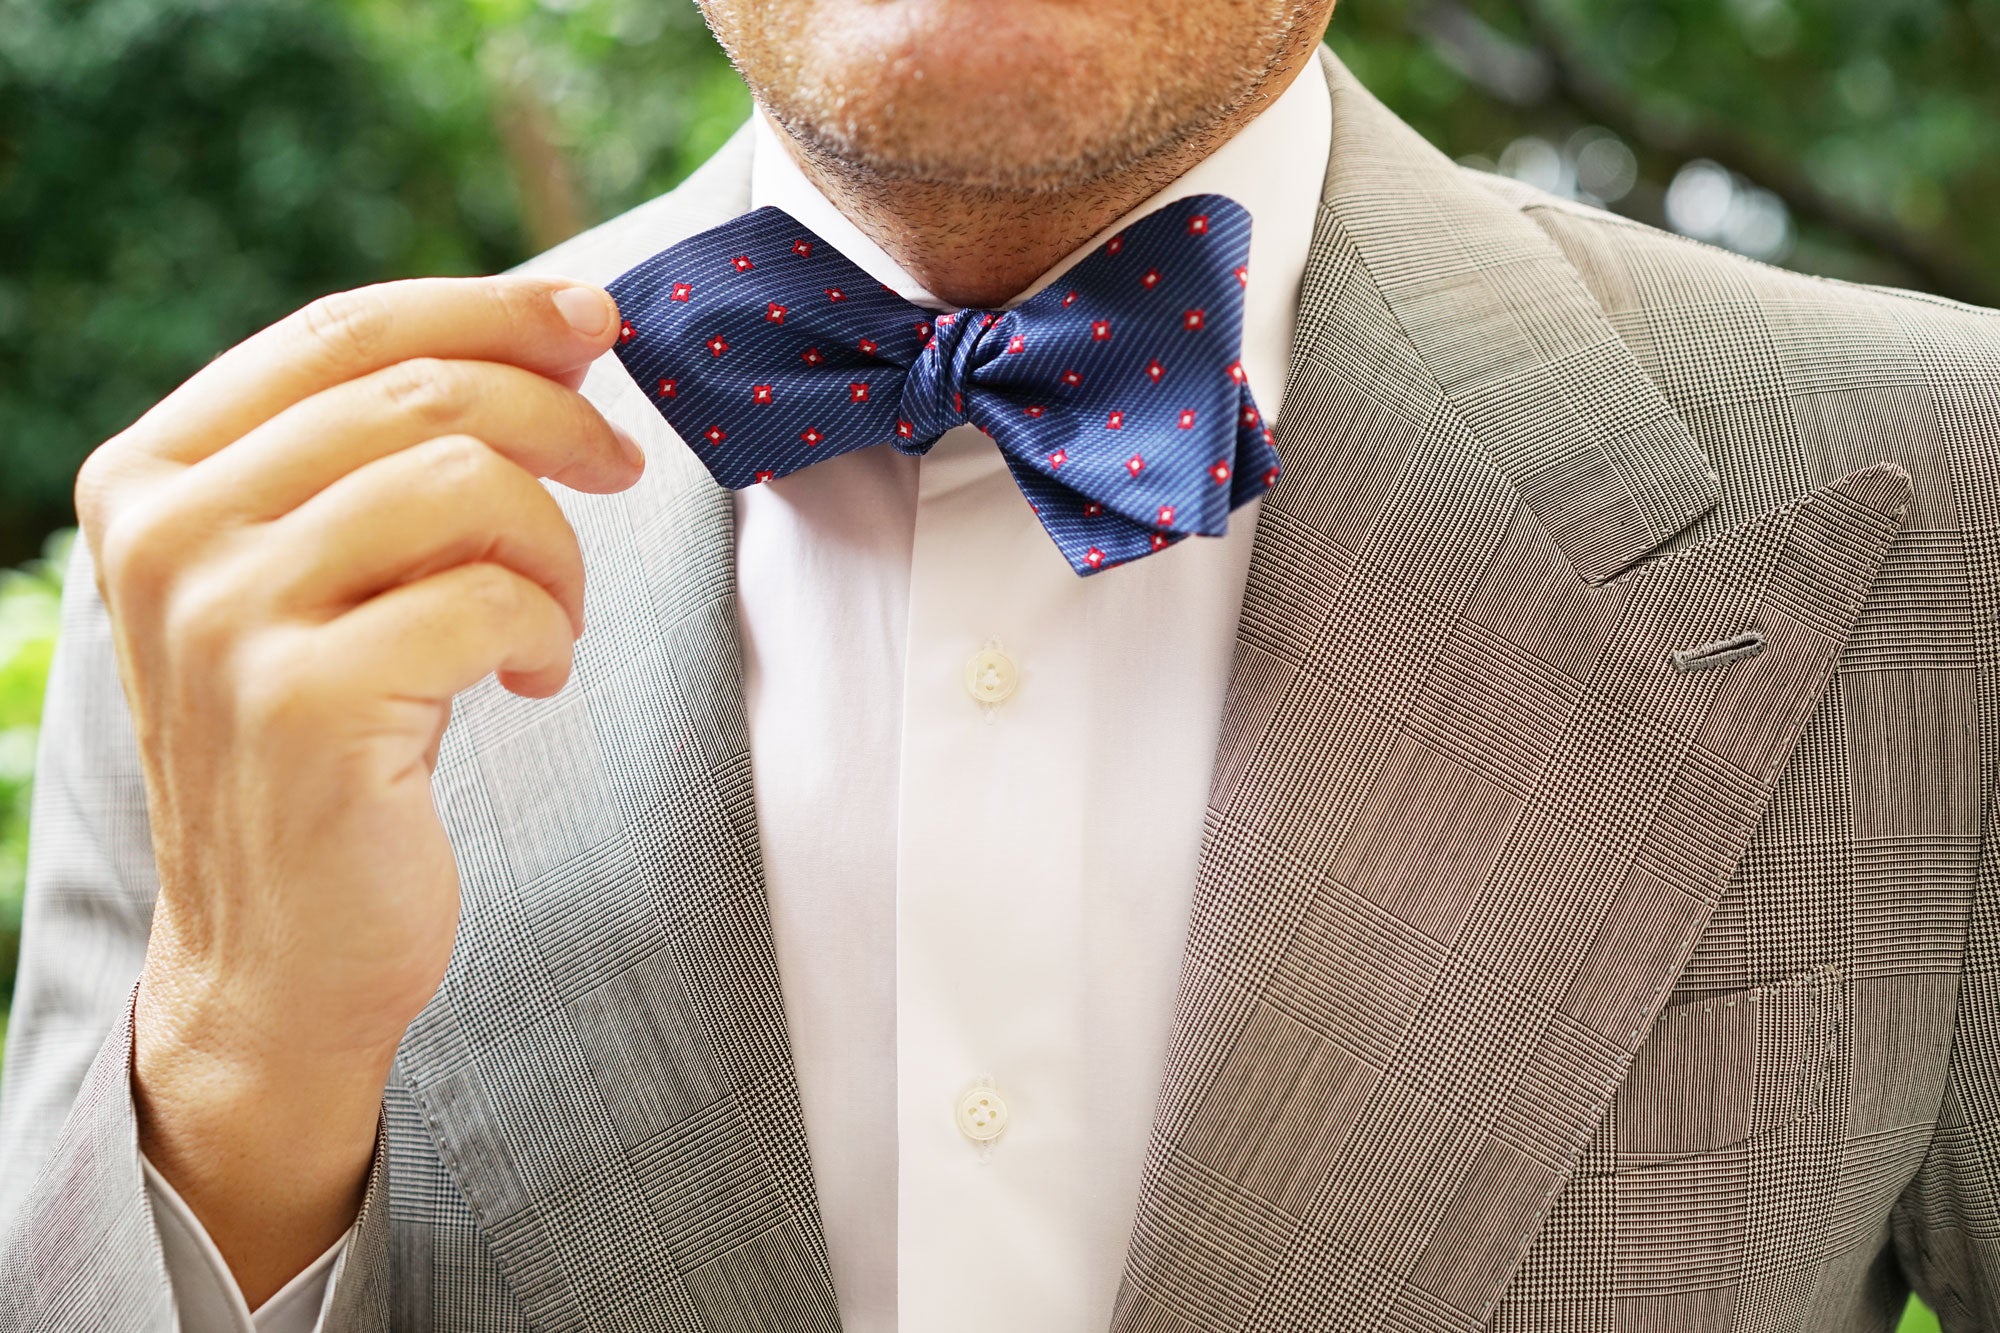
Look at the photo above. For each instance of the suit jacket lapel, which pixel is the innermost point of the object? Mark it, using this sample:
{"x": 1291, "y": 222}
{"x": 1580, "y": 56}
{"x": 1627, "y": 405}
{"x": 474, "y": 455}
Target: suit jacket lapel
{"x": 605, "y": 1070}
{"x": 1468, "y": 818}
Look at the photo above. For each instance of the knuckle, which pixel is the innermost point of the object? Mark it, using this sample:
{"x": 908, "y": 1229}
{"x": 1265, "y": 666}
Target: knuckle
{"x": 139, "y": 551}
{"x": 456, "y": 463}
{"x": 349, "y": 327}
{"x": 278, "y": 692}
{"x": 91, "y": 493}
{"x": 545, "y": 528}
{"x": 426, "y": 389}
{"x": 204, "y": 618}
{"x": 495, "y": 590}
{"x": 567, "y": 541}
{"x": 569, "y": 557}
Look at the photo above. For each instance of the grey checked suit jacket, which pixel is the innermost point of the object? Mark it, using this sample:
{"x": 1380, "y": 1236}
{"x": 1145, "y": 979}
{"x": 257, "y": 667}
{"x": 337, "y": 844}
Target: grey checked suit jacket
{"x": 1534, "y": 982}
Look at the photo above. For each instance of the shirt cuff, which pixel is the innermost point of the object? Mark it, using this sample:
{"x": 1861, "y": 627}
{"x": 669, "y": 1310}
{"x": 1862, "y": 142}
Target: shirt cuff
{"x": 206, "y": 1295}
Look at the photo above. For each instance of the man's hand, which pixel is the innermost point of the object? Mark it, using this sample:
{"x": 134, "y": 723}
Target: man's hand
{"x": 306, "y": 550}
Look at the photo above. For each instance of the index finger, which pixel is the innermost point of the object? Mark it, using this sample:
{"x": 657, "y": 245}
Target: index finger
{"x": 551, "y": 326}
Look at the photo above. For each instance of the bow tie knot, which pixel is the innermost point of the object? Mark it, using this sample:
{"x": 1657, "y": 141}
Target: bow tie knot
{"x": 934, "y": 392}
{"x": 1116, "y": 395}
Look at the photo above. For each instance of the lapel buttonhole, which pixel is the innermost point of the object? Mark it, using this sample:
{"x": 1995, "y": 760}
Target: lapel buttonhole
{"x": 1709, "y": 656}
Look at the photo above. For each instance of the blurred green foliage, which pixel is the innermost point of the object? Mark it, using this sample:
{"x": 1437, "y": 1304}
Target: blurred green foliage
{"x": 1918, "y": 1319}
{"x": 29, "y": 606}
{"x": 1873, "y": 121}
{"x": 174, "y": 174}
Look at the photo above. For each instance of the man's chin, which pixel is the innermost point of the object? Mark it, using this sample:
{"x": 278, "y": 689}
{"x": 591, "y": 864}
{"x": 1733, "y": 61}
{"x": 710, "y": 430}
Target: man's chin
{"x": 1013, "y": 95}
{"x": 1028, "y": 96}
{"x": 893, "y": 140}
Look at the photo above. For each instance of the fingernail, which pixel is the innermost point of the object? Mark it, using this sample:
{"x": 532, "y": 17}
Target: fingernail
{"x": 635, "y": 453}
{"x": 588, "y": 310}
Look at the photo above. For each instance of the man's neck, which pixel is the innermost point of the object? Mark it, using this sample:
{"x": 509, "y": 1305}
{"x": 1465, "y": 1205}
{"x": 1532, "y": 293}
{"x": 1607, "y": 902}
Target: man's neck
{"x": 976, "y": 246}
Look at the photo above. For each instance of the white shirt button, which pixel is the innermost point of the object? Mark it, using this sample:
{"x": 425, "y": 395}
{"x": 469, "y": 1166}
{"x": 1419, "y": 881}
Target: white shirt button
{"x": 991, "y": 676}
{"x": 982, "y": 1114}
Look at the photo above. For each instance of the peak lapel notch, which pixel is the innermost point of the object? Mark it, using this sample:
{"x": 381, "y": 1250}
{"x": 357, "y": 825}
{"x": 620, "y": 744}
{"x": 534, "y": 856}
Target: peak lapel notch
{"x": 1514, "y": 343}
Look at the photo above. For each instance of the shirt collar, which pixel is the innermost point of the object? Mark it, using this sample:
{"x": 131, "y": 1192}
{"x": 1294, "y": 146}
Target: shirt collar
{"x": 1274, "y": 167}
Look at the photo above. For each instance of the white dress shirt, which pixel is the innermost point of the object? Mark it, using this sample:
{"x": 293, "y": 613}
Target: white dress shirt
{"x": 980, "y": 785}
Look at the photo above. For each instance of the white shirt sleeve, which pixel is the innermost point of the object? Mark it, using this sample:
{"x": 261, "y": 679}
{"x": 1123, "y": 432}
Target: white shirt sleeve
{"x": 207, "y": 1297}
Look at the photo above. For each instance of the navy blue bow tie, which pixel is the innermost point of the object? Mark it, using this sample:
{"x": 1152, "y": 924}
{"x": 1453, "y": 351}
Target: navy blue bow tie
{"x": 1116, "y": 394}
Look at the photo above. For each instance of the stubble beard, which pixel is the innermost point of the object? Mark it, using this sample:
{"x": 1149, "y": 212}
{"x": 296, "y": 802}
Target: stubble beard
{"x": 1040, "y": 123}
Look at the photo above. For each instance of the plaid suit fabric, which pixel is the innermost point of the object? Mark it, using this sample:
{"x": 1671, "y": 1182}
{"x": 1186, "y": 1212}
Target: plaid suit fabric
{"x": 1407, "y": 997}
{"x": 1867, "y": 868}
{"x": 1533, "y": 984}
